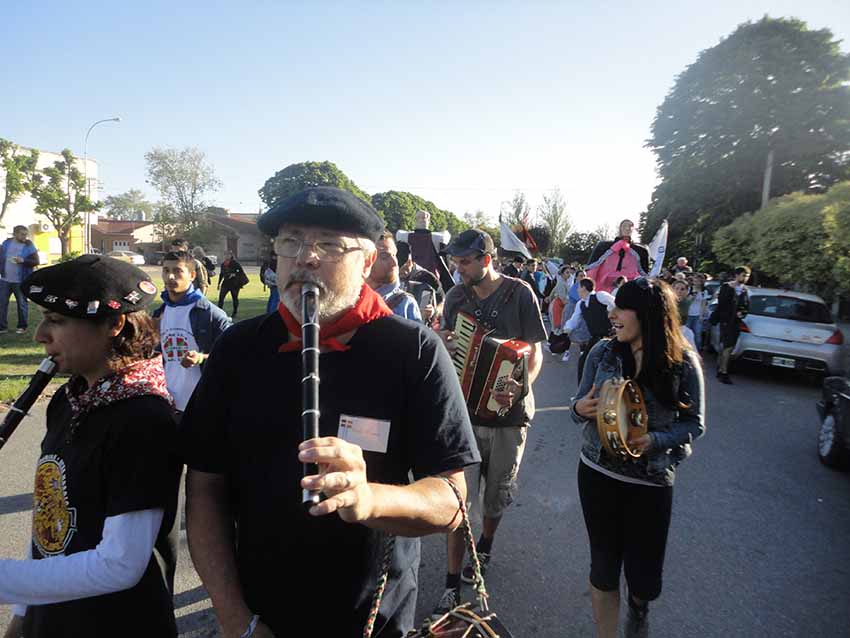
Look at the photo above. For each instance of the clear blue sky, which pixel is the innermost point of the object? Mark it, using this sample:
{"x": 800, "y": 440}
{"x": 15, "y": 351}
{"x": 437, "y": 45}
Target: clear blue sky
{"x": 460, "y": 103}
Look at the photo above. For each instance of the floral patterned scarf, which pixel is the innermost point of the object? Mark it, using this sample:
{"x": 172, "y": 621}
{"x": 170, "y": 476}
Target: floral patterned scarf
{"x": 146, "y": 377}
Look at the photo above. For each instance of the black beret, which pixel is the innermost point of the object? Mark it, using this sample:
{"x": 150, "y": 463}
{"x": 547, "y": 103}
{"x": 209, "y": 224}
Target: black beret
{"x": 90, "y": 286}
{"x": 325, "y": 207}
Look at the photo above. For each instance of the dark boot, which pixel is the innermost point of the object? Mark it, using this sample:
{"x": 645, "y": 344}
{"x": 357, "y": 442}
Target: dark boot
{"x": 637, "y": 620}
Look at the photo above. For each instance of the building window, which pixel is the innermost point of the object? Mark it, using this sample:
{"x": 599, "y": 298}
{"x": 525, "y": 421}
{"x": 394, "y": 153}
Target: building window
{"x": 120, "y": 244}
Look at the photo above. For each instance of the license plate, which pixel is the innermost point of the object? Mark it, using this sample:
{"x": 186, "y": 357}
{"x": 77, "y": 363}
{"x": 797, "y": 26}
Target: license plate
{"x": 782, "y": 362}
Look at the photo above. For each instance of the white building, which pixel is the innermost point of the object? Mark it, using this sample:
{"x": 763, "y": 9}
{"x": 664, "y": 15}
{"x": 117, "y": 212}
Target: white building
{"x": 21, "y": 212}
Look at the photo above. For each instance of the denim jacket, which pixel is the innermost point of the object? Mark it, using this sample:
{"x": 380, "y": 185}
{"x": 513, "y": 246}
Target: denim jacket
{"x": 672, "y": 430}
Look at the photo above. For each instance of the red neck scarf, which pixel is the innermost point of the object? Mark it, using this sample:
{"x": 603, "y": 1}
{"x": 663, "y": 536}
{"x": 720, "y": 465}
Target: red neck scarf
{"x": 369, "y": 306}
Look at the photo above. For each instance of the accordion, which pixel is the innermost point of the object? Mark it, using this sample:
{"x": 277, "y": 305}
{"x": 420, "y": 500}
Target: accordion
{"x": 484, "y": 364}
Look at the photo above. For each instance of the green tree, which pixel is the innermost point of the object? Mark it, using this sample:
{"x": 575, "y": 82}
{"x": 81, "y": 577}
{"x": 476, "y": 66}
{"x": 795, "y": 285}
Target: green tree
{"x": 837, "y": 226}
{"x": 553, "y": 215}
{"x": 129, "y": 206}
{"x": 773, "y": 89}
{"x": 577, "y": 247}
{"x": 801, "y": 240}
{"x": 184, "y": 180}
{"x": 479, "y": 220}
{"x": 516, "y": 210}
{"x": 398, "y": 208}
{"x": 297, "y": 177}
{"x": 60, "y": 195}
{"x": 543, "y": 238}
{"x": 19, "y": 169}
{"x": 165, "y": 223}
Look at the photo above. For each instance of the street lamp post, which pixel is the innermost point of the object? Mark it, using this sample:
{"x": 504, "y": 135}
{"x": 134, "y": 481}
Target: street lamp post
{"x": 87, "y": 225}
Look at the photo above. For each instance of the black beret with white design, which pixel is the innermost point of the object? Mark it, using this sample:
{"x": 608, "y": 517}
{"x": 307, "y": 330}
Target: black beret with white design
{"x": 90, "y": 286}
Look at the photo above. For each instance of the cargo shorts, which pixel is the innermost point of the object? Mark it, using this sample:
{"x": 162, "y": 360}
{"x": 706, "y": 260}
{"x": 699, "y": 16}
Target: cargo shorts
{"x": 501, "y": 451}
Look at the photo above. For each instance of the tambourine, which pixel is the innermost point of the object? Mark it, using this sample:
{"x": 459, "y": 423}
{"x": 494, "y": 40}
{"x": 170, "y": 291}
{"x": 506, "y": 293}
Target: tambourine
{"x": 621, "y": 415}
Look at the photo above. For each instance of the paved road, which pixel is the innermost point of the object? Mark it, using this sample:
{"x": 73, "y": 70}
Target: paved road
{"x": 758, "y": 544}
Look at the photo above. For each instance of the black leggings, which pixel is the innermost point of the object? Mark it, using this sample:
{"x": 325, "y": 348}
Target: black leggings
{"x": 627, "y": 525}
{"x": 234, "y": 293}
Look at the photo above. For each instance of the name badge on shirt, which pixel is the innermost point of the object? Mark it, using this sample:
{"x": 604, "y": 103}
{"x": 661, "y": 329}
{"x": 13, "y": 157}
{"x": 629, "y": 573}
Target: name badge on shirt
{"x": 370, "y": 434}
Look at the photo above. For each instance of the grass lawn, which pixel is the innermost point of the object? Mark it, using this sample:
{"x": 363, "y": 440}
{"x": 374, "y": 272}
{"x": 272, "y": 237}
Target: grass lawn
{"x": 20, "y": 355}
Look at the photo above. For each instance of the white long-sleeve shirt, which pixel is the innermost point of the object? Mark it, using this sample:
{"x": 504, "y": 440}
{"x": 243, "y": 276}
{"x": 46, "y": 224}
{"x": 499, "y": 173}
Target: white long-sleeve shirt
{"x": 117, "y": 563}
{"x": 604, "y": 297}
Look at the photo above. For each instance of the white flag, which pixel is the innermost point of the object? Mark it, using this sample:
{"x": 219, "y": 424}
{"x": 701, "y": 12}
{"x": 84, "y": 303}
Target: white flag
{"x": 657, "y": 249}
{"x": 511, "y": 242}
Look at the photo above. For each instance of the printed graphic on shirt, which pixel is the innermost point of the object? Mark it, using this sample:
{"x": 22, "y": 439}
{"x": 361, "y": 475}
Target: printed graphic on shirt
{"x": 53, "y": 521}
{"x": 175, "y": 345}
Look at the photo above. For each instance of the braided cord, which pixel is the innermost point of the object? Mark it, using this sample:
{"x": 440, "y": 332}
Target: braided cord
{"x": 389, "y": 546}
{"x": 478, "y": 579}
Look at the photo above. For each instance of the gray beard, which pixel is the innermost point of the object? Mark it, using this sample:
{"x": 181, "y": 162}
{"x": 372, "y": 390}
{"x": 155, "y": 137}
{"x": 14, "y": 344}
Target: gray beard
{"x": 331, "y": 302}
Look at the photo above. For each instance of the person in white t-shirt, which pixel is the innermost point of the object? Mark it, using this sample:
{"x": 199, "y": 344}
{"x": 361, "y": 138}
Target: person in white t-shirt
{"x": 189, "y": 325}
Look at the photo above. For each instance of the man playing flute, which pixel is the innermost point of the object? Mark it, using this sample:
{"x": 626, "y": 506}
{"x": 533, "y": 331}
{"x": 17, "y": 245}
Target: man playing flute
{"x": 391, "y": 407}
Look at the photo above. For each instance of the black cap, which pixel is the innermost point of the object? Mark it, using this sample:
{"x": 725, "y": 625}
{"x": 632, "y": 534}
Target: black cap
{"x": 325, "y": 207}
{"x": 90, "y": 286}
{"x": 471, "y": 241}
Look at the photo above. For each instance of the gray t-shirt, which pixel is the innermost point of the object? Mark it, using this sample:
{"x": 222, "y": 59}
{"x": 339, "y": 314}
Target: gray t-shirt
{"x": 512, "y": 312}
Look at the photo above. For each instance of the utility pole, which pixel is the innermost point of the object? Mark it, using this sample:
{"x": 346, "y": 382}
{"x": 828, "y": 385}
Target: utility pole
{"x": 768, "y": 174}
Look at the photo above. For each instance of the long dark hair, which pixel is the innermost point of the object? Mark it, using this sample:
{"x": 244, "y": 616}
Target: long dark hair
{"x": 663, "y": 345}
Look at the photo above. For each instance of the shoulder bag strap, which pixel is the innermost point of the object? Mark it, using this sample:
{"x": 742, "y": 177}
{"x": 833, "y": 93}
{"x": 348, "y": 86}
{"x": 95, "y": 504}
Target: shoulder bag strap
{"x": 389, "y": 546}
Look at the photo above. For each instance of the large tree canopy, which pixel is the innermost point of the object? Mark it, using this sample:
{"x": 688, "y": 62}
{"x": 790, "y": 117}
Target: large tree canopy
{"x": 297, "y": 177}
{"x": 398, "y": 208}
{"x": 772, "y": 86}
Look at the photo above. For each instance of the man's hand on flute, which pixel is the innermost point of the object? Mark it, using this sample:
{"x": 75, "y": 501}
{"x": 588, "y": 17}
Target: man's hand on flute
{"x": 341, "y": 478}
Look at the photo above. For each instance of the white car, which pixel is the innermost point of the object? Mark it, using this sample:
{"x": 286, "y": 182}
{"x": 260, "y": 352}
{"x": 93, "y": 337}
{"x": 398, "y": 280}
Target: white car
{"x": 126, "y": 255}
{"x": 787, "y": 329}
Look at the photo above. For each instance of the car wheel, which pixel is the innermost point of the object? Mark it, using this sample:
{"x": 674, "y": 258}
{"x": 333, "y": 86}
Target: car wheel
{"x": 831, "y": 450}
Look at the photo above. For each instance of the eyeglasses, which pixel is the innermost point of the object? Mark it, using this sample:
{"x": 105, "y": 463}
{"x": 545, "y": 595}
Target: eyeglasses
{"x": 326, "y": 250}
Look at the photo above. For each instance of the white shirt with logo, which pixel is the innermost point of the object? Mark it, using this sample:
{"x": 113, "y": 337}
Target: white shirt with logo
{"x": 177, "y": 339}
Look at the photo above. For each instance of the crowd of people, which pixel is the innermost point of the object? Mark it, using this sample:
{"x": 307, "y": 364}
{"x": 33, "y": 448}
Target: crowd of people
{"x": 185, "y": 391}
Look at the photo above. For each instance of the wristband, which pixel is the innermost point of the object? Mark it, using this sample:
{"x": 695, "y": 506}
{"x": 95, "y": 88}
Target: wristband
{"x": 252, "y": 627}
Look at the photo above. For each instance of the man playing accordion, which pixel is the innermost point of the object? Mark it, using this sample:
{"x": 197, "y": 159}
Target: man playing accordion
{"x": 509, "y": 308}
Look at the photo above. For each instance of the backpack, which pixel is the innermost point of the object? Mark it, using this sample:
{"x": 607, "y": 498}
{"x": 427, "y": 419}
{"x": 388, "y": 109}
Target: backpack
{"x": 595, "y": 315}
{"x": 210, "y": 267}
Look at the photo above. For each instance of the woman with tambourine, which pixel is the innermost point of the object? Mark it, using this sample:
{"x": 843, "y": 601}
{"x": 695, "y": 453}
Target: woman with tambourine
{"x": 105, "y": 494}
{"x": 627, "y": 497}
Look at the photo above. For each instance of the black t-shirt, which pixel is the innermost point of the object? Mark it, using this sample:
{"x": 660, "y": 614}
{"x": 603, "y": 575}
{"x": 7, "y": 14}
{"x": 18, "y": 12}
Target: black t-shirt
{"x": 309, "y": 575}
{"x": 120, "y": 460}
